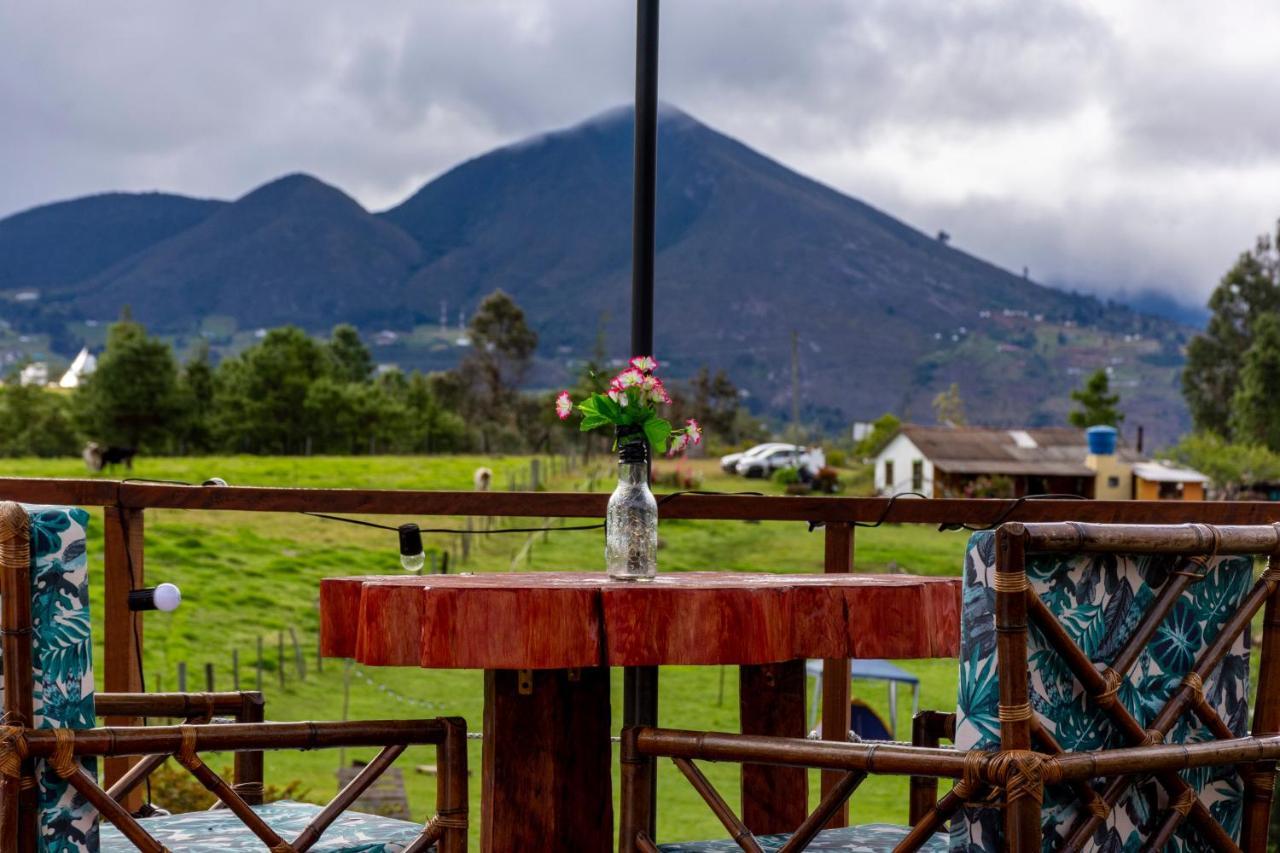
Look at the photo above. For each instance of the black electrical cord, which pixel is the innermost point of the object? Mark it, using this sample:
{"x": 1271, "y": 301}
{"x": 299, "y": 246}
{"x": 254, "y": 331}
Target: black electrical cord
{"x": 597, "y": 526}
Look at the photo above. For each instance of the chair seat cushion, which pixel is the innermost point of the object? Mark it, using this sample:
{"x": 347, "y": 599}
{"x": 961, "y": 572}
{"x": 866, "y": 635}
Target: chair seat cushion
{"x": 868, "y": 838}
{"x": 220, "y": 831}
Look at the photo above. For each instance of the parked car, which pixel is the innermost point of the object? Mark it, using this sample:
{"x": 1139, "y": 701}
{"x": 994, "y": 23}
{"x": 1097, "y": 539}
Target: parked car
{"x": 729, "y": 464}
{"x": 806, "y": 460}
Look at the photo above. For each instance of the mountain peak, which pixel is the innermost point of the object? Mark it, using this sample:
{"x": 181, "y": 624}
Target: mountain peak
{"x": 297, "y": 188}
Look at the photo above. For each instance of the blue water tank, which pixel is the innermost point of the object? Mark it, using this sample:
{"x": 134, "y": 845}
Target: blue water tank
{"x": 1102, "y": 440}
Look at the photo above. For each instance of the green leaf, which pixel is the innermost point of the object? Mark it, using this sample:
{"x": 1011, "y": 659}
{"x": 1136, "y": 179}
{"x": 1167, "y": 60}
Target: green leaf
{"x": 591, "y": 422}
{"x": 607, "y": 408}
{"x": 657, "y": 430}
{"x": 589, "y": 407}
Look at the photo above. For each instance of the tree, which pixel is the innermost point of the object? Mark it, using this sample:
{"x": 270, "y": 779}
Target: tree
{"x": 883, "y": 429}
{"x": 713, "y": 399}
{"x": 502, "y": 347}
{"x": 1255, "y": 408}
{"x": 351, "y": 358}
{"x": 195, "y": 387}
{"x": 260, "y": 396}
{"x": 1210, "y": 378}
{"x": 1098, "y": 406}
{"x": 1230, "y": 467}
{"x": 948, "y": 408}
{"x": 132, "y": 399}
{"x": 36, "y": 422}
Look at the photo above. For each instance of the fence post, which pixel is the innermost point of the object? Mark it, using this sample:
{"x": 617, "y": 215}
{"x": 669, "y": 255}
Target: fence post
{"x": 208, "y": 677}
{"x": 535, "y": 471}
{"x": 123, "y": 571}
{"x": 838, "y": 559}
{"x": 182, "y": 676}
{"x": 299, "y": 662}
{"x": 235, "y": 670}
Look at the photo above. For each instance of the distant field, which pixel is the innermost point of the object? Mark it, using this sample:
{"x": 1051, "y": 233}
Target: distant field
{"x": 246, "y": 576}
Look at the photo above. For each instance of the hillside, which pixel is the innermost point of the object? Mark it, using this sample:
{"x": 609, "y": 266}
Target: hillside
{"x": 62, "y": 243}
{"x": 748, "y": 251}
{"x": 293, "y": 251}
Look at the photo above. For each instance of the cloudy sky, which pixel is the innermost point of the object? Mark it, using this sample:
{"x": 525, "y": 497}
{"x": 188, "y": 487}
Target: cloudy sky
{"x": 1110, "y": 145}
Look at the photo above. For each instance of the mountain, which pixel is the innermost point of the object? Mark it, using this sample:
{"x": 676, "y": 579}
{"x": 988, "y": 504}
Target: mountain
{"x": 749, "y": 252}
{"x": 59, "y": 244}
{"x": 295, "y": 250}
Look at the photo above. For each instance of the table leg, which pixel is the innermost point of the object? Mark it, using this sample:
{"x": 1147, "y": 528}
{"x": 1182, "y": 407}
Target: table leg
{"x": 547, "y": 761}
{"x": 771, "y": 702}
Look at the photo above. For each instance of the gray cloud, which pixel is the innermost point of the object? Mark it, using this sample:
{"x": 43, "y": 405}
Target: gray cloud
{"x": 1112, "y": 146}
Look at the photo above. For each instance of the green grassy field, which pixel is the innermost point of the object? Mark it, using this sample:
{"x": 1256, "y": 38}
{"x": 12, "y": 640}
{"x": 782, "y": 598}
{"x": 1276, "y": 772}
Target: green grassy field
{"x": 249, "y": 576}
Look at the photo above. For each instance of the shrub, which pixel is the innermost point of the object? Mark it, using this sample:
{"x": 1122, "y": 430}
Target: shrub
{"x": 178, "y": 792}
{"x": 680, "y": 476}
{"x": 836, "y": 459}
{"x": 786, "y": 476}
{"x": 827, "y": 480}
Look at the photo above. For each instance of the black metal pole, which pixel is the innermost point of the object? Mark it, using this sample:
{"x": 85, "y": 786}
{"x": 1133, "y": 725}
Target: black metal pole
{"x": 646, "y": 170}
{"x": 640, "y": 684}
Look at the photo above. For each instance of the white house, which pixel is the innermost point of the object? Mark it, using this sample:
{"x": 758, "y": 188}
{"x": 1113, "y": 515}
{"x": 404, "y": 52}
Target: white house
{"x": 35, "y": 373}
{"x": 987, "y": 462}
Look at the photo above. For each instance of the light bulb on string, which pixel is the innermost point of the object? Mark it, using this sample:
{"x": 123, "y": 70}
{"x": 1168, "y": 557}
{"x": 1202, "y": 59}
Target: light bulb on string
{"x": 166, "y": 597}
{"x": 412, "y": 557}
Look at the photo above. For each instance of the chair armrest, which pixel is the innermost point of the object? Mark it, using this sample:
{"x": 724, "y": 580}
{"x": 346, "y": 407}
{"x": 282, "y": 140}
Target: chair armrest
{"x": 448, "y": 734}
{"x": 188, "y": 706}
{"x": 928, "y": 728}
{"x": 243, "y": 707}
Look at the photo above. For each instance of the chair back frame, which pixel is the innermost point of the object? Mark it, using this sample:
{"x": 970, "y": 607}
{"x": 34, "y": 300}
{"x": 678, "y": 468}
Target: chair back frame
{"x": 1029, "y": 756}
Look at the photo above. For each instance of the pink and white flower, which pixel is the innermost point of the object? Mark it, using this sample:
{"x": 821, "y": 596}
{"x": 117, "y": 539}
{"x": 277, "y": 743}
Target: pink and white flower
{"x": 694, "y": 430}
{"x": 678, "y": 443}
{"x": 628, "y": 378}
{"x": 564, "y": 405}
{"x": 646, "y": 363}
{"x": 618, "y": 394}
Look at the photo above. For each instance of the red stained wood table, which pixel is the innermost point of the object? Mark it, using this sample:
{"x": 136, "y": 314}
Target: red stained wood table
{"x": 546, "y": 642}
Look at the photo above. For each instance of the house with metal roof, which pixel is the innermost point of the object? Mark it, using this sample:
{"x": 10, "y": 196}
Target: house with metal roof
{"x": 963, "y": 461}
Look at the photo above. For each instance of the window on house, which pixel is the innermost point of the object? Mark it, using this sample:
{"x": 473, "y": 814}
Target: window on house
{"x": 888, "y": 474}
{"x": 1113, "y": 482}
{"x": 917, "y": 475}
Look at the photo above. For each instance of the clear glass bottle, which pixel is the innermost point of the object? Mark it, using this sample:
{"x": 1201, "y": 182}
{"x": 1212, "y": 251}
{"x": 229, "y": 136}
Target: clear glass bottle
{"x": 631, "y": 521}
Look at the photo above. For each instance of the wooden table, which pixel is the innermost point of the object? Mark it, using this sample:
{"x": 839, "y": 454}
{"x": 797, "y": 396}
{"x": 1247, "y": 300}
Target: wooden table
{"x": 546, "y": 642}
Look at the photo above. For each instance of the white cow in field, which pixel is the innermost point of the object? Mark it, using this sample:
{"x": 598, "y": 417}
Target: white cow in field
{"x": 482, "y": 478}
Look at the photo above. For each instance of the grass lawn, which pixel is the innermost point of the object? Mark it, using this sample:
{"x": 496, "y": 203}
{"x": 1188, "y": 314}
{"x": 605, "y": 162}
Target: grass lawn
{"x": 247, "y": 576}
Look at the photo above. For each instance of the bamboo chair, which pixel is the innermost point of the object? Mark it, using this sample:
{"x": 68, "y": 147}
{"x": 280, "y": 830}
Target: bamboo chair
{"x": 1086, "y": 648}
{"x": 49, "y": 796}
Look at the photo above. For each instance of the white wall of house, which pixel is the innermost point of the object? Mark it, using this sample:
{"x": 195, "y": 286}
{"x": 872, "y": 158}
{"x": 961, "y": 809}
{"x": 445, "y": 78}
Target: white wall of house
{"x": 903, "y": 455}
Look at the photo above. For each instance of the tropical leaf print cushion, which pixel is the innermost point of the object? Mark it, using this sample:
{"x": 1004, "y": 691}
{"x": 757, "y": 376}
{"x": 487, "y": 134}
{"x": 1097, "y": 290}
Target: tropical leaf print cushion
{"x": 62, "y": 659}
{"x": 1100, "y": 599}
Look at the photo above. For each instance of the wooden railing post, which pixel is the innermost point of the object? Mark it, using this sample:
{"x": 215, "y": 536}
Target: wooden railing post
{"x": 835, "y": 671}
{"x": 122, "y": 645}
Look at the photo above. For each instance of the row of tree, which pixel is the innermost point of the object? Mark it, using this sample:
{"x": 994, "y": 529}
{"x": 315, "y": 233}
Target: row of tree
{"x": 1231, "y": 380}
{"x": 290, "y": 393}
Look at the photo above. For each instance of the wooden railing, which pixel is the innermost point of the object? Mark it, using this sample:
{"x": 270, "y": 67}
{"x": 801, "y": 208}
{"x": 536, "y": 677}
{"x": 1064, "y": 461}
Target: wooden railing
{"x": 125, "y": 505}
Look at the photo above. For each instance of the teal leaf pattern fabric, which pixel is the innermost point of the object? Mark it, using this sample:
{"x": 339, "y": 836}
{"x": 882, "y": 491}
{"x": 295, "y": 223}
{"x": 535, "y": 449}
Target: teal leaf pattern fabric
{"x": 220, "y": 831}
{"x": 62, "y": 657}
{"x": 868, "y": 838}
{"x": 1100, "y": 599}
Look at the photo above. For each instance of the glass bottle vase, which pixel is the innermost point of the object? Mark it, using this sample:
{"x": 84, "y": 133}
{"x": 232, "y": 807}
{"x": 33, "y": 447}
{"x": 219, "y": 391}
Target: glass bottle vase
{"x": 631, "y": 521}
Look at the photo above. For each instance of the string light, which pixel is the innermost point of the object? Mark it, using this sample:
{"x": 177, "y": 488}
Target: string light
{"x": 412, "y": 557}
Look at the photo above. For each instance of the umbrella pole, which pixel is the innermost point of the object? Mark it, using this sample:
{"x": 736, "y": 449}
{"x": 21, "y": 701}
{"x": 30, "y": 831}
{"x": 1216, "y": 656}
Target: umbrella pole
{"x": 640, "y": 684}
